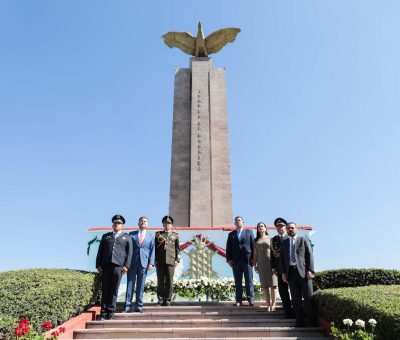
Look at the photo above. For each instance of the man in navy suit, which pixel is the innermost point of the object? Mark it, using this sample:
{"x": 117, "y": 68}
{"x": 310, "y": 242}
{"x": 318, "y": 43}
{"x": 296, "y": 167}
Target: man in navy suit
{"x": 142, "y": 263}
{"x": 239, "y": 255}
{"x": 297, "y": 268}
{"x": 112, "y": 261}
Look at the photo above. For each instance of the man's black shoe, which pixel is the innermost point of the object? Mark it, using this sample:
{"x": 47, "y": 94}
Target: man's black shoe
{"x": 166, "y": 303}
{"x": 110, "y": 316}
{"x": 138, "y": 310}
{"x": 102, "y": 316}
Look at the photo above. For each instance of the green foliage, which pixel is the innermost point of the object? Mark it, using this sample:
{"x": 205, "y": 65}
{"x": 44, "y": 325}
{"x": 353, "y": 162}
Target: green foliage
{"x": 381, "y": 303}
{"x": 53, "y": 295}
{"x": 355, "y": 278}
{"x": 214, "y": 289}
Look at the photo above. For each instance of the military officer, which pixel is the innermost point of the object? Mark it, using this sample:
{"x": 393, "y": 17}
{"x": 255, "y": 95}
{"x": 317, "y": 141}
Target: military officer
{"x": 283, "y": 287}
{"x": 112, "y": 261}
{"x": 167, "y": 258}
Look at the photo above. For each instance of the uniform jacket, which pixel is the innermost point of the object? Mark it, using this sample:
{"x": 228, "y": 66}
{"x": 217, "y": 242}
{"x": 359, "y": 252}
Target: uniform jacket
{"x": 240, "y": 251}
{"x": 116, "y": 251}
{"x": 304, "y": 256}
{"x": 276, "y": 248}
{"x": 142, "y": 255}
{"x": 167, "y": 247}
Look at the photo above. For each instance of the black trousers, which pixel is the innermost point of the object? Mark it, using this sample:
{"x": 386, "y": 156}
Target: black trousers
{"x": 110, "y": 280}
{"x": 301, "y": 288}
{"x": 165, "y": 276}
{"x": 283, "y": 289}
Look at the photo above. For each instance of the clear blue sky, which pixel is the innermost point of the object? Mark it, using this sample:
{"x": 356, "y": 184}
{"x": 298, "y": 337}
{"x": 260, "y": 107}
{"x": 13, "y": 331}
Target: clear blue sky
{"x": 86, "y": 91}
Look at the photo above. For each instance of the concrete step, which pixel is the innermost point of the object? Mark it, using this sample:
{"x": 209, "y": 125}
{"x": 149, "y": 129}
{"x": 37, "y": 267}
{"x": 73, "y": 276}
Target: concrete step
{"x": 212, "y": 315}
{"x": 198, "y": 332}
{"x": 200, "y": 306}
{"x": 185, "y": 323}
{"x": 210, "y": 307}
{"x": 249, "y": 338}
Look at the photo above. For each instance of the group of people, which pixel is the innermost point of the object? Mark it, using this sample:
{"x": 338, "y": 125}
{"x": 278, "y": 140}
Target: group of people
{"x": 136, "y": 254}
{"x": 284, "y": 261}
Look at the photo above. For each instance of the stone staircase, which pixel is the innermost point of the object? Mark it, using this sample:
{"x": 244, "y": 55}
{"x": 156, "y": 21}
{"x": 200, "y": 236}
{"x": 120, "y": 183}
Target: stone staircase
{"x": 202, "y": 320}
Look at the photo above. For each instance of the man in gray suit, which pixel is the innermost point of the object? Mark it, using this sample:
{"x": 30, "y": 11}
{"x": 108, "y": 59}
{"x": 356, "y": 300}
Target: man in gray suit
{"x": 297, "y": 267}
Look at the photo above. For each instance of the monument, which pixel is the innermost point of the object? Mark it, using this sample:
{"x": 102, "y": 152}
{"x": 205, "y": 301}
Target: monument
{"x": 200, "y": 187}
{"x": 200, "y": 191}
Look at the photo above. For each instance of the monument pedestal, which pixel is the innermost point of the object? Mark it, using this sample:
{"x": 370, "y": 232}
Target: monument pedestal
{"x": 200, "y": 188}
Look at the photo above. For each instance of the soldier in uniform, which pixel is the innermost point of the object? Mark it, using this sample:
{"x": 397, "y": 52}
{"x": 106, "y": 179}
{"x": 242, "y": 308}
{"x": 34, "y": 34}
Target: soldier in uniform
{"x": 283, "y": 287}
{"x": 167, "y": 258}
{"x": 112, "y": 261}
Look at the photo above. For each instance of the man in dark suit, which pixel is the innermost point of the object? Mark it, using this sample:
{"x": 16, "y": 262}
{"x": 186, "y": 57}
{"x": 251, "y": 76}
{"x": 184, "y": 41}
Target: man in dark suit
{"x": 297, "y": 266}
{"x": 112, "y": 261}
{"x": 283, "y": 287}
{"x": 142, "y": 263}
{"x": 239, "y": 255}
{"x": 167, "y": 258}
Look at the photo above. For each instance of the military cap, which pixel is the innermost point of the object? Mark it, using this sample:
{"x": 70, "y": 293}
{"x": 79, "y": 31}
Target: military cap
{"x": 280, "y": 221}
{"x": 118, "y": 217}
{"x": 167, "y": 219}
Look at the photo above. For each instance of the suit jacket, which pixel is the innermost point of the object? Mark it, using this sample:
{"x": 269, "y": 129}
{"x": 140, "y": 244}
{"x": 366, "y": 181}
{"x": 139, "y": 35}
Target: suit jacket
{"x": 304, "y": 256}
{"x": 142, "y": 255}
{"x": 240, "y": 250}
{"x": 116, "y": 251}
{"x": 167, "y": 247}
{"x": 276, "y": 243}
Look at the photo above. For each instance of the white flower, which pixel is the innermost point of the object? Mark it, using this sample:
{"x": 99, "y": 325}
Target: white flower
{"x": 360, "y": 323}
{"x": 347, "y": 322}
{"x": 372, "y": 322}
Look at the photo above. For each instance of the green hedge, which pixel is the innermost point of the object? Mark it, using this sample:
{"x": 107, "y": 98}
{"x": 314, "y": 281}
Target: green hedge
{"x": 355, "y": 278}
{"x": 40, "y": 295}
{"x": 381, "y": 303}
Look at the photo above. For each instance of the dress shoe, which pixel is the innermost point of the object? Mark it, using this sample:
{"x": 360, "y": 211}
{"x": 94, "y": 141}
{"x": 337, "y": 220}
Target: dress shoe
{"x": 166, "y": 303}
{"x": 138, "y": 310}
{"x": 110, "y": 316}
{"x": 102, "y": 316}
{"x": 238, "y": 304}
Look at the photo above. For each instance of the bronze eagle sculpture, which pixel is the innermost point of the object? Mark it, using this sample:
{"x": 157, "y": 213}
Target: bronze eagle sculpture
{"x": 200, "y": 46}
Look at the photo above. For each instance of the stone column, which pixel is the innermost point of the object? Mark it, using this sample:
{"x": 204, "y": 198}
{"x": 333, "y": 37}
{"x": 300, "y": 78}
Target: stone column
{"x": 200, "y": 193}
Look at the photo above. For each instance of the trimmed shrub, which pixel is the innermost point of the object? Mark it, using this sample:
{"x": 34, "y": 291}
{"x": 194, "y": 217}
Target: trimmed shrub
{"x": 381, "y": 303}
{"x": 40, "y": 295}
{"x": 355, "y": 278}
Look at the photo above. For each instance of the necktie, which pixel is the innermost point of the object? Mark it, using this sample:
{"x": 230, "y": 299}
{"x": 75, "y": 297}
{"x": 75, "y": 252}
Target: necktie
{"x": 292, "y": 251}
{"x": 141, "y": 237}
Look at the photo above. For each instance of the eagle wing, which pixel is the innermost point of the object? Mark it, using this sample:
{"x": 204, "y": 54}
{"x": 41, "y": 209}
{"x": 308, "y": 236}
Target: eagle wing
{"x": 218, "y": 39}
{"x": 183, "y": 40}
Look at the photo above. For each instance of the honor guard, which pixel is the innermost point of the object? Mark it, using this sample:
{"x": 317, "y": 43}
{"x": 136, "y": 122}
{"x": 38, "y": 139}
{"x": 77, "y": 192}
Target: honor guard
{"x": 112, "y": 261}
{"x": 166, "y": 259}
{"x": 283, "y": 287}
